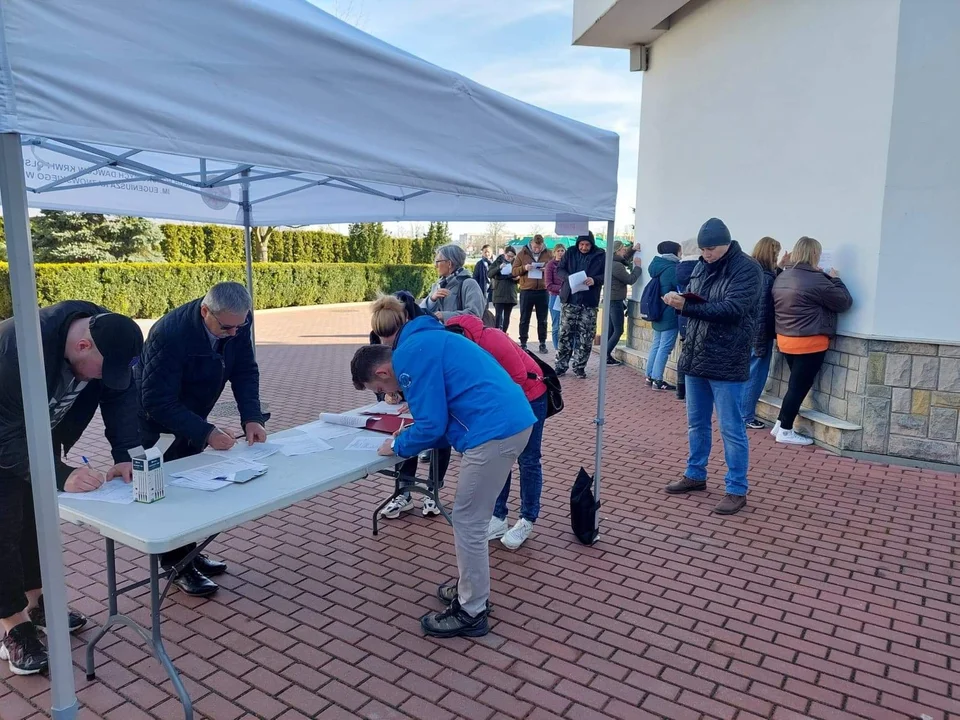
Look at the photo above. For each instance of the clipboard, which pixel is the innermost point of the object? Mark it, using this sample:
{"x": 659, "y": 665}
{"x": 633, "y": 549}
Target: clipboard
{"x": 388, "y": 424}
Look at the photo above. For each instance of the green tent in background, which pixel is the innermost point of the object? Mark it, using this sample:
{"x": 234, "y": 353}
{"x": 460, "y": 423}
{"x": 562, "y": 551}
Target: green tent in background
{"x": 565, "y": 240}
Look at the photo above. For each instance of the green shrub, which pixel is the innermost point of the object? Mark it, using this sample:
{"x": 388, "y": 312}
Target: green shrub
{"x": 148, "y": 290}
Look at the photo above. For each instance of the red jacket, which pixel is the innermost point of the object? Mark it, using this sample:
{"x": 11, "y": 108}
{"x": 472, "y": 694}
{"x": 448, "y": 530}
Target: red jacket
{"x": 506, "y": 352}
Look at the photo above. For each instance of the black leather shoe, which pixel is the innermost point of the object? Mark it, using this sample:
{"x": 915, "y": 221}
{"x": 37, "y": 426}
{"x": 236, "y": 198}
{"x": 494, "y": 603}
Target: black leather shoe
{"x": 194, "y": 583}
{"x": 207, "y": 566}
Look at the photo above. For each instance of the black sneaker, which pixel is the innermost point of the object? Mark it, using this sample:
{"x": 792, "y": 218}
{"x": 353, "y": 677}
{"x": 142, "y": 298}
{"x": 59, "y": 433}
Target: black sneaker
{"x": 523, "y": 346}
{"x": 756, "y": 425}
{"x": 663, "y": 385}
{"x": 560, "y": 373}
{"x": 582, "y": 374}
{"x": 37, "y": 615}
{"x": 24, "y": 651}
{"x": 543, "y": 349}
{"x": 454, "y": 622}
{"x": 611, "y": 360}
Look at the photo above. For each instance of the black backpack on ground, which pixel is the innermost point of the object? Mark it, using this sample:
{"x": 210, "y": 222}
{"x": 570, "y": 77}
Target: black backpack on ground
{"x": 584, "y": 509}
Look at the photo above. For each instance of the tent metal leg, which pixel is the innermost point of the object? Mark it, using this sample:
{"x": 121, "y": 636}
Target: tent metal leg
{"x": 602, "y": 383}
{"x": 248, "y": 248}
{"x": 23, "y": 289}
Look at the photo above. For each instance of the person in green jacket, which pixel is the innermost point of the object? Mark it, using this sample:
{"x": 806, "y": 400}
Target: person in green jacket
{"x": 504, "y": 287}
{"x": 665, "y": 330}
{"x": 626, "y": 271}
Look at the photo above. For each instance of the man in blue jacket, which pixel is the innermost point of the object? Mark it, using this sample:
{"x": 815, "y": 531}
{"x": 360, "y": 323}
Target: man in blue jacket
{"x": 190, "y": 354}
{"x": 458, "y": 395}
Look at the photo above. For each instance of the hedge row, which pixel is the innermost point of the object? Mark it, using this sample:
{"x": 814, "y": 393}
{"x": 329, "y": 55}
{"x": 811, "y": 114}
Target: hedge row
{"x": 148, "y": 290}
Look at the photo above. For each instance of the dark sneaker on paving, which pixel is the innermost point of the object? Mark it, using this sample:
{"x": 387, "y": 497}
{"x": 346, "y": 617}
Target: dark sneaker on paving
{"x": 543, "y": 348}
{"x": 22, "y": 649}
{"x": 611, "y": 360}
{"x": 755, "y": 425}
{"x": 560, "y": 372}
{"x": 731, "y": 504}
{"x": 37, "y": 615}
{"x": 663, "y": 385}
{"x": 454, "y": 622}
{"x": 582, "y": 374}
{"x": 523, "y": 346}
{"x": 685, "y": 485}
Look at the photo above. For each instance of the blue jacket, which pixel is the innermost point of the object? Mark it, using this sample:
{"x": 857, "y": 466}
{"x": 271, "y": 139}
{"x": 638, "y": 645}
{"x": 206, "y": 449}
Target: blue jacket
{"x": 458, "y": 394}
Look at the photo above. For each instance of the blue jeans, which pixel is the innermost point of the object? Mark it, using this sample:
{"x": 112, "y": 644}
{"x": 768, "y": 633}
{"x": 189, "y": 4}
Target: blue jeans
{"x": 702, "y": 395}
{"x": 531, "y": 473}
{"x": 663, "y": 342}
{"x": 555, "y": 324}
{"x": 759, "y": 368}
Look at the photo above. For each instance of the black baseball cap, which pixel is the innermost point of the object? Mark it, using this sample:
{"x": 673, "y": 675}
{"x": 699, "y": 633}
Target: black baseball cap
{"x": 120, "y": 340}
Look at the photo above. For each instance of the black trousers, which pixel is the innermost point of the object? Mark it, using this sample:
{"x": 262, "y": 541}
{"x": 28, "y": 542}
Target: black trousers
{"x": 19, "y": 552}
{"x": 503, "y": 315}
{"x": 617, "y": 310}
{"x": 530, "y": 301}
{"x": 439, "y": 461}
{"x": 180, "y": 448}
{"x": 803, "y": 373}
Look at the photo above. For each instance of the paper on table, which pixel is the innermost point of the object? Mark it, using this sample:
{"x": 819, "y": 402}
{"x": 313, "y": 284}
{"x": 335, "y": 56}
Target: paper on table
{"x": 578, "y": 282}
{"x": 506, "y": 269}
{"x": 197, "y": 484}
{"x": 366, "y": 443}
{"x": 116, "y": 491}
{"x": 302, "y": 444}
{"x": 381, "y": 408}
{"x": 258, "y": 451}
{"x": 355, "y": 421}
{"x": 219, "y": 470}
{"x": 323, "y": 431}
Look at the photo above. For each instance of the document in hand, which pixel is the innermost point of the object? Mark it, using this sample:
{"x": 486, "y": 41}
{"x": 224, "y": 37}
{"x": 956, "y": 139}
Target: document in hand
{"x": 578, "y": 282}
{"x": 536, "y": 271}
{"x": 506, "y": 269}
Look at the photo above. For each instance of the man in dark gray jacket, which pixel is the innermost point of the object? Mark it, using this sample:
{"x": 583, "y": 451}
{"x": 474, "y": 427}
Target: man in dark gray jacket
{"x": 721, "y": 311}
{"x": 87, "y": 354}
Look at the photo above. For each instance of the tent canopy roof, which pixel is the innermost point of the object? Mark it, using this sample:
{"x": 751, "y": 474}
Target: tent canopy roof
{"x": 175, "y": 99}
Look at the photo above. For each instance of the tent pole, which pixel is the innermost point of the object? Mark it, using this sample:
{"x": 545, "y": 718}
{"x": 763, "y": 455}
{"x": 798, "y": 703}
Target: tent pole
{"x": 23, "y": 289}
{"x": 602, "y": 383}
{"x": 248, "y": 246}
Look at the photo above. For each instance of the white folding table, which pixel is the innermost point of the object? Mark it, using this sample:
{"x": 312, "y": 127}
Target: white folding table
{"x": 195, "y": 516}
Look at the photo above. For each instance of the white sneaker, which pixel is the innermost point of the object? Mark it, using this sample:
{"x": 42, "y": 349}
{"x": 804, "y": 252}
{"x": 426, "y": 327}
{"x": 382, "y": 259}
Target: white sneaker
{"x": 429, "y": 508}
{"x": 496, "y": 529}
{"x": 776, "y": 428}
{"x": 518, "y": 534}
{"x": 792, "y": 437}
{"x": 398, "y": 505}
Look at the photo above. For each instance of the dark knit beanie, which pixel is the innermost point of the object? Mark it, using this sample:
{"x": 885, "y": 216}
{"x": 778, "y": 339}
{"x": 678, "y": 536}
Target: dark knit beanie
{"x": 713, "y": 233}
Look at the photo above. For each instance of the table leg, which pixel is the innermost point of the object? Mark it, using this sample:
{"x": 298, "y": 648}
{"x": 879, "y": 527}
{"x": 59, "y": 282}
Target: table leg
{"x": 112, "y": 616}
{"x": 156, "y": 641}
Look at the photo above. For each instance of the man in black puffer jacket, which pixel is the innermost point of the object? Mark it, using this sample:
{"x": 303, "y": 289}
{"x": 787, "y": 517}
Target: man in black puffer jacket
{"x": 721, "y": 321}
{"x": 190, "y": 354}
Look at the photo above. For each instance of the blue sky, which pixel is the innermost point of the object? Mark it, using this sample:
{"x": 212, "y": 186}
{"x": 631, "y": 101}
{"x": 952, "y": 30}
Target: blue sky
{"x": 522, "y": 48}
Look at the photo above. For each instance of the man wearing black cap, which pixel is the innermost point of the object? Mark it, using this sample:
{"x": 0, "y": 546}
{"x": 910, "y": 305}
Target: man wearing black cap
{"x": 720, "y": 306}
{"x": 578, "y": 313}
{"x": 190, "y": 355}
{"x": 88, "y": 353}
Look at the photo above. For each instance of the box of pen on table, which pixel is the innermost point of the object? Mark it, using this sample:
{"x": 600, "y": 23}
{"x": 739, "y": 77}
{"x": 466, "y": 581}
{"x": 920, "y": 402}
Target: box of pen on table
{"x": 147, "y": 474}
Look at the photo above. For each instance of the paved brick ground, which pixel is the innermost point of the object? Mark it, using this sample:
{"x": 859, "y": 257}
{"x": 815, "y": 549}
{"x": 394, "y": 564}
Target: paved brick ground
{"x": 831, "y": 596}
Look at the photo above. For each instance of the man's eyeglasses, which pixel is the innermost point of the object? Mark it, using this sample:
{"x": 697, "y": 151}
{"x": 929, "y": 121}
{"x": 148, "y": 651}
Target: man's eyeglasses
{"x": 227, "y": 328}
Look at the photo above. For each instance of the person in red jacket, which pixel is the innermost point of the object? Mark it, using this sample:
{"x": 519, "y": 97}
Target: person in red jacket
{"x": 524, "y": 371}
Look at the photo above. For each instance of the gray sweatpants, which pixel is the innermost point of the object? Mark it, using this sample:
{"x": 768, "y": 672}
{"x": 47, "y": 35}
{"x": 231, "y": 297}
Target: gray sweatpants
{"x": 482, "y": 471}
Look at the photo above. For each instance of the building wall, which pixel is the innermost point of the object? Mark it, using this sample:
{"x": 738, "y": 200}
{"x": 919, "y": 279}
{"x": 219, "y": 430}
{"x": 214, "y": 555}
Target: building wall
{"x": 775, "y": 117}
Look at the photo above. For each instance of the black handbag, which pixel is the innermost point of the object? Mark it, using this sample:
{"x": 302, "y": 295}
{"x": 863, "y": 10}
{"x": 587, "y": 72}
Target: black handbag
{"x": 549, "y": 377}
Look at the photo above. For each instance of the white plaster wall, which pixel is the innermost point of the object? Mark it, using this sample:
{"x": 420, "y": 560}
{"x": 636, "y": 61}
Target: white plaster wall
{"x": 775, "y": 116}
{"x": 919, "y": 274}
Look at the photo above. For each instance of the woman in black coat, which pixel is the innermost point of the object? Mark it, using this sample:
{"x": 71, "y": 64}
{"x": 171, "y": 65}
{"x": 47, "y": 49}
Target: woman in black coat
{"x": 767, "y": 253}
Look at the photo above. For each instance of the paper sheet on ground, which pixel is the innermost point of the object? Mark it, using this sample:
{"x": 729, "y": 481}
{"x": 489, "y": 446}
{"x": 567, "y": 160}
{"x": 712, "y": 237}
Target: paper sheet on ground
{"x": 208, "y": 485}
{"x": 381, "y": 408}
{"x": 325, "y": 431}
{"x": 366, "y": 443}
{"x": 221, "y": 469}
{"x": 116, "y": 491}
{"x": 302, "y": 444}
{"x": 578, "y": 282}
{"x": 254, "y": 453}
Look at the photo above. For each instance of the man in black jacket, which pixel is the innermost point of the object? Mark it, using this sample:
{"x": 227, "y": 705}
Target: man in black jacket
{"x": 480, "y": 271}
{"x": 190, "y": 354}
{"x": 716, "y": 359}
{"x": 578, "y": 312}
{"x": 87, "y": 354}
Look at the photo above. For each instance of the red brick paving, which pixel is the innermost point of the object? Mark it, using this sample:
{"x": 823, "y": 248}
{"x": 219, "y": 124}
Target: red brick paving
{"x": 831, "y": 596}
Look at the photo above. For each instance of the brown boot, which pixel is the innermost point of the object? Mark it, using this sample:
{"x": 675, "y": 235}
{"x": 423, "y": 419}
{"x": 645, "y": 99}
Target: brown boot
{"x": 685, "y": 485}
{"x": 731, "y": 504}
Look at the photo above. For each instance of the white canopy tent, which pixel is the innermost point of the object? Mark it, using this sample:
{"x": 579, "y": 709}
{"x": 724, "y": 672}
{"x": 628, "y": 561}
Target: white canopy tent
{"x": 252, "y": 112}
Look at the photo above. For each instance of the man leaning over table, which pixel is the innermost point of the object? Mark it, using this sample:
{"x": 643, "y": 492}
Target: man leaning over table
{"x": 87, "y": 355}
{"x": 190, "y": 354}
